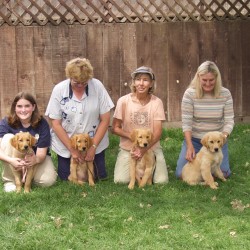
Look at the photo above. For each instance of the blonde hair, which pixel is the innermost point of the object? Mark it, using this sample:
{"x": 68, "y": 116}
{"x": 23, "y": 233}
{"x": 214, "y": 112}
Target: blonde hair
{"x": 79, "y": 69}
{"x": 204, "y": 68}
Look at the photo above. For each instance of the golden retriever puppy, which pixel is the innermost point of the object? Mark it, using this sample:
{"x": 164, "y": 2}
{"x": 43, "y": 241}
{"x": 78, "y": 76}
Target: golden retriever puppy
{"x": 22, "y": 144}
{"x": 81, "y": 172}
{"x": 207, "y": 162}
{"x": 142, "y": 169}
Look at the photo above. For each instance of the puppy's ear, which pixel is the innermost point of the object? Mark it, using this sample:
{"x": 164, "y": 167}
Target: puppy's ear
{"x": 151, "y": 135}
{"x": 73, "y": 141}
{"x": 133, "y": 135}
{"x": 13, "y": 141}
{"x": 204, "y": 141}
{"x": 32, "y": 141}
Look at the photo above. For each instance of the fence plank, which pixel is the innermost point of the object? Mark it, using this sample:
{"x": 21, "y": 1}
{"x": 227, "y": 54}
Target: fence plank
{"x": 111, "y": 58}
{"x": 94, "y": 48}
{"x": 25, "y": 59}
{"x": 129, "y": 58}
{"x": 177, "y": 69}
{"x": 160, "y": 63}
{"x": 8, "y": 70}
{"x": 245, "y": 38}
{"x": 60, "y": 51}
{"x": 43, "y": 65}
{"x": 144, "y": 41}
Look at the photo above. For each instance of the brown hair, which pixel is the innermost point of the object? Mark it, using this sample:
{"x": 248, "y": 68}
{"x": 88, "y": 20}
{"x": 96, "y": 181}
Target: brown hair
{"x": 14, "y": 120}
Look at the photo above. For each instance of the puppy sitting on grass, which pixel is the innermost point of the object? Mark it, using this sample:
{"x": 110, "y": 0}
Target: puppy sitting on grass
{"x": 142, "y": 169}
{"x": 22, "y": 144}
{"x": 207, "y": 162}
{"x": 81, "y": 172}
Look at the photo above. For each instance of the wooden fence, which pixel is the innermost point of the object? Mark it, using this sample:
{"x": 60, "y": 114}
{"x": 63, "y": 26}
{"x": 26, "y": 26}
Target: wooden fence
{"x": 33, "y": 54}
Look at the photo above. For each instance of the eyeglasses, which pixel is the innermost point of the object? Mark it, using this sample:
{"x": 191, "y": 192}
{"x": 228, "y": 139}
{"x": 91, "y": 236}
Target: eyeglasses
{"x": 76, "y": 82}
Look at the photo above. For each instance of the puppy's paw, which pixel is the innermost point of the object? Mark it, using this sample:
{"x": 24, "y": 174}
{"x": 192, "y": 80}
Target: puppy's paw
{"x": 131, "y": 186}
{"x": 26, "y": 191}
{"x": 214, "y": 185}
{"x": 142, "y": 185}
{"x": 92, "y": 184}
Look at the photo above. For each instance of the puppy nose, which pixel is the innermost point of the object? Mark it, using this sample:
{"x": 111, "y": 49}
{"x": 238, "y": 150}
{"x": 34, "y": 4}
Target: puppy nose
{"x": 84, "y": 148}
{"x": 26, "y": 147}
{"x": 145, "y": 144}
{"x": 216, "y": 149}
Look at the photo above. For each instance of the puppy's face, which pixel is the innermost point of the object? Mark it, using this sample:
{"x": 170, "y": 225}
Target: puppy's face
{"x": 81, "y": 142}
{"x": 23, "y": 141}
{"x": 213, "y": 141}
{"x": 141, "y": 137}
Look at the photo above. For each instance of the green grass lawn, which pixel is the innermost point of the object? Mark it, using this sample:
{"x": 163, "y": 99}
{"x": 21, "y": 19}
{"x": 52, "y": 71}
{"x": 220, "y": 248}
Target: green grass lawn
{"x": 110, "y": 216}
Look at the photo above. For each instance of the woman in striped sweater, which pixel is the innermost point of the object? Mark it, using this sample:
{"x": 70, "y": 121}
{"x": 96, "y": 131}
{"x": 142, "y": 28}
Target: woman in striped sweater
{"x": 206, "y": 106}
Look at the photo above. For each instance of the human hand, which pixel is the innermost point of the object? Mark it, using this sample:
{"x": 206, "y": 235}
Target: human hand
{"x": 137, "y": 153}
{"x": 17, "y": 163}
{"x": 76, "y": 155}
{"x": 190, "y": 154}
{"x": 30, "y": 160}
{"x": 90, "y": 154}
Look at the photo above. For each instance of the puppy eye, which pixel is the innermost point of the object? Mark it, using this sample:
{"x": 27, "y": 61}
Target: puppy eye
{"x": 212, "y": 142}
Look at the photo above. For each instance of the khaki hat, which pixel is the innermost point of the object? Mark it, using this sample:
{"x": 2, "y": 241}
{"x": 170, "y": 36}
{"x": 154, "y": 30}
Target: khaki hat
{"x": 143, "y": 70}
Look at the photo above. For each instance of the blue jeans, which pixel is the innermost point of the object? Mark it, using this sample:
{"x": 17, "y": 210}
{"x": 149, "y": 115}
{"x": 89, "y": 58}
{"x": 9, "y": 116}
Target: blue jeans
{"x": 225, "y": 168}
{"x": 99, "y": 164}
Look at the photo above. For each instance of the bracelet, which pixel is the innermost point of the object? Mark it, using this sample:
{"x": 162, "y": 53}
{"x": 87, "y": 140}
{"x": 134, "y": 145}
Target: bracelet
{"x": 94, "y": 146}
{"x": 226, "y": 135}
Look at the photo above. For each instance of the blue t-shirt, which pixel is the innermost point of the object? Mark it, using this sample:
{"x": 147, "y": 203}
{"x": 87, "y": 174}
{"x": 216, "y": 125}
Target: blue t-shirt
{"x": 41, "y": 132}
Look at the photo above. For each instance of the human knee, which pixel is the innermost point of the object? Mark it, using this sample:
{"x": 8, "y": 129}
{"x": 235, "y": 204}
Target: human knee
{"x": 46, "y": 182}
{"x": 121, "y": 180}
{"x": 163, "y": 179}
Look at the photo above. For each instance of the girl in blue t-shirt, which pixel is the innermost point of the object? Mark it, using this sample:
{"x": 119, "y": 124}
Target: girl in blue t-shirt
{"x": 24, "y": 116}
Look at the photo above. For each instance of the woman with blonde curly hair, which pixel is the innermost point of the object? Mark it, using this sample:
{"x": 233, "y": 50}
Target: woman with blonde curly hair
{"x": 79, "y": 104}
{"x": 206, "y": 106}
{"x": 139, "y": 109}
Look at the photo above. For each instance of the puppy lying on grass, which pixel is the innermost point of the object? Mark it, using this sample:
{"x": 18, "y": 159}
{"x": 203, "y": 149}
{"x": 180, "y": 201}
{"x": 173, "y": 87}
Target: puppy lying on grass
{"x": 207, "y": 162}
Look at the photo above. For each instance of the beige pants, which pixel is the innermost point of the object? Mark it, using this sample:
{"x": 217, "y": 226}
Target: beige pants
{"x": 121, "y": 174}
{"x": 45, "y": 175}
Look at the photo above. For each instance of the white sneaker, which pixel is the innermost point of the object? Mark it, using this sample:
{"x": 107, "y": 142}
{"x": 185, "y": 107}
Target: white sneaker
{"x": 9, "y": 187}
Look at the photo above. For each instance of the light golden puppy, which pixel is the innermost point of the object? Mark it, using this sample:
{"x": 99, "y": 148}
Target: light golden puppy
{"x": 81, "y": 172}
{"x": 22, "y": 144}
{"x": 142, "y": 170}
{"x": 207, "y": 162}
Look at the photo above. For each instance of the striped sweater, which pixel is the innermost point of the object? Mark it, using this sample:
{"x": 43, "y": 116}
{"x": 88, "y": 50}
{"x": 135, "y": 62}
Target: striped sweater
{"x": 208, "y": 113}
